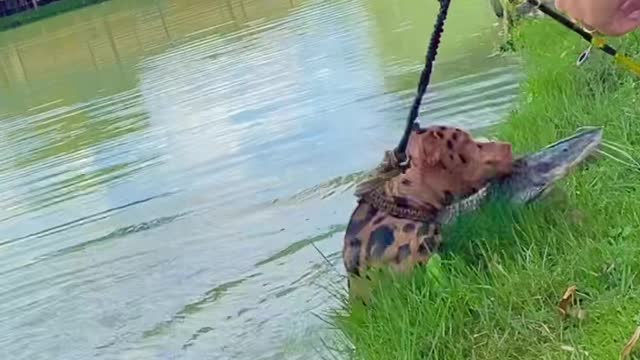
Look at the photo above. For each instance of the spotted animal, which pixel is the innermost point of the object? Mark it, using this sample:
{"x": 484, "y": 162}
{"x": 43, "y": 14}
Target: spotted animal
{"x": 396, "y": 224}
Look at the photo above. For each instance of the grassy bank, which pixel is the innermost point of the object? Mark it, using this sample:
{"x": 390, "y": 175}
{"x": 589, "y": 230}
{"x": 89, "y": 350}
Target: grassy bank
{"x": 46, "y": 11}
{"x": 495, "y": 294}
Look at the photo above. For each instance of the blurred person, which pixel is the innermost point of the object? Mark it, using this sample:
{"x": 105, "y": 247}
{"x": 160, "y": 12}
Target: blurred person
{"x": 608, "y": 17}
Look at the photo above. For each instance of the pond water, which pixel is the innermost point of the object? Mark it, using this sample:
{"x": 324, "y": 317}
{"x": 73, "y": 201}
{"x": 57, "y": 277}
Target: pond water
{"x": 168, "y": 164}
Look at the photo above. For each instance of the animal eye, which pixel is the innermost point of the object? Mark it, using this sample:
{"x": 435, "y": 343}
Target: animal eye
{"x": 479, "y": 146}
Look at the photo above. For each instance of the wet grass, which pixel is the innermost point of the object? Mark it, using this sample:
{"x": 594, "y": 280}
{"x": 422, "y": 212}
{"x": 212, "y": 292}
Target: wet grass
{"x": 43, "y": 12}
{"x": 496, "y": 290}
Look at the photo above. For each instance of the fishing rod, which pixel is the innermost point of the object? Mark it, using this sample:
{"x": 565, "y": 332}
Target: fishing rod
{"x": 596, "y": 41}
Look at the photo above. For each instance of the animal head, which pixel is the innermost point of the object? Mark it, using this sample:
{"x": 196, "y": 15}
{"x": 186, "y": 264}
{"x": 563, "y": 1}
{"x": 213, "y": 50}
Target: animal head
{"x": 449, "y": 160}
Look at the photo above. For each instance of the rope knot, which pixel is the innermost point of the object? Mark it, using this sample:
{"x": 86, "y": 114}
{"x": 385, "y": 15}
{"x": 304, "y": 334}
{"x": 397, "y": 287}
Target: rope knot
{"x": 393, "y": 164}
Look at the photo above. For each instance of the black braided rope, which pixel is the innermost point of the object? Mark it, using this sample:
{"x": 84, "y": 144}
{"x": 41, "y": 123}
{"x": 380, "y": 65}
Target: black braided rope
{"x": 425, "y": 77}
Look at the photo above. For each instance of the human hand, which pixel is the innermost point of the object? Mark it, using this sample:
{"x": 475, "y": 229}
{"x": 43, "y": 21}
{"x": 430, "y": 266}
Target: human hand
{"x": 609, "y": 17}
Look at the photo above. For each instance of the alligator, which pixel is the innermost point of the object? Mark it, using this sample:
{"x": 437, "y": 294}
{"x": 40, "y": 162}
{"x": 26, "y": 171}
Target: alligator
{"x": 533, "y": 175}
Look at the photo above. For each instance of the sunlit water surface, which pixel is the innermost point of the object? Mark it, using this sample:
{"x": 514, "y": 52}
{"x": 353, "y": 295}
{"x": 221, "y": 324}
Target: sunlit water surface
{"x": 167, "y": 165}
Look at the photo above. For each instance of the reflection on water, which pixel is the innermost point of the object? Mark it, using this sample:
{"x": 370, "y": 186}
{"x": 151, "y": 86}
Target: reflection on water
{"x": 168, "y": 164}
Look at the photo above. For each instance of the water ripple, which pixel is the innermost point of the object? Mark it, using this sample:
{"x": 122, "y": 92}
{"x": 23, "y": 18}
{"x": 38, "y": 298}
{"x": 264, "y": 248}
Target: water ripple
{"x": 171, "y": 167}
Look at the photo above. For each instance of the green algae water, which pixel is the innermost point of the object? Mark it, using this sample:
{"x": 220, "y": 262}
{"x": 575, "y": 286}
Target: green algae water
{"x": 167, "y": 165}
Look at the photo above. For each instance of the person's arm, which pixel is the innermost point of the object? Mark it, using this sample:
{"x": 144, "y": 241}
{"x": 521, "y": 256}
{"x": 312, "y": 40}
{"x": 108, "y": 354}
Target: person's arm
{"x": 609, "y": 17}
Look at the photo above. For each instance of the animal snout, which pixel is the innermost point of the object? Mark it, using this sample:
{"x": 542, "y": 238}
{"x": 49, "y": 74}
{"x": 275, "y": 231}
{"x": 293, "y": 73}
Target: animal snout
{"x": 505, "y": 158}
{"x": 506, "y": 151}
{"x": 498, "y": 150}
{"x": 499, "y": 155}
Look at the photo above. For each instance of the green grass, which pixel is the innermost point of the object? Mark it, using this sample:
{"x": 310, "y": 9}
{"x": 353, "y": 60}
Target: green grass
{"x": 43, "y": 12}
{"x": 495, "y": 293}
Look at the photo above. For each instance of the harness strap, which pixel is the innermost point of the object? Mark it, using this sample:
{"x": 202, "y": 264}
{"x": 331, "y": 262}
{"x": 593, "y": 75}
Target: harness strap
{"x": 378, "y": 200}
